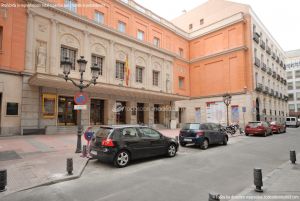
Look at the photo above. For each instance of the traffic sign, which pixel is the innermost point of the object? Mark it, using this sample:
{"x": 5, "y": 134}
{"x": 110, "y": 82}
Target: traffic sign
{"x": 80, "y": 107}
{"x": 81, "y": 98}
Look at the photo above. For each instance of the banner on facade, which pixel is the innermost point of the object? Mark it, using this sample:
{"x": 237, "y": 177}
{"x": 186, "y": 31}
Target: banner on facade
{"x": 216, "y": 112}
{"x": 235, "y": 115}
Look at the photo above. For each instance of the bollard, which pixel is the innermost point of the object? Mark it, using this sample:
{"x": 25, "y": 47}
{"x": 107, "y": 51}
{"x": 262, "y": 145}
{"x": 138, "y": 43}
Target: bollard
{"x": 213, "y": 197}
{"x": 70, "y": 166}
{"x": 3, "y": 180}
{"x": 177, "y": 138}
{"x": 257, "y": 173}
{"x": 293, "y": 157}
{"x": 84, "y": 151}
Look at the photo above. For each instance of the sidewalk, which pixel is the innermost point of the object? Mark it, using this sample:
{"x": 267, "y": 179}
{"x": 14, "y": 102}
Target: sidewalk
{"x": 282, "y": 184}
{"x": 38, "y": 160}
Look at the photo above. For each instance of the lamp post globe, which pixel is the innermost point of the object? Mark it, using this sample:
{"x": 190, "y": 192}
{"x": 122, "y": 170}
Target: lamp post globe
{"x": 66, "y": 65}
{"x": 82, "y": 64}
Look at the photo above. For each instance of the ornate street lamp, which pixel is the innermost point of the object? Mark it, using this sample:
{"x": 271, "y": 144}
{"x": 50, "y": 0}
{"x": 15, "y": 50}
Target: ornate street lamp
{"x": 227, "y": 101}
{"x": 66, "y": 64}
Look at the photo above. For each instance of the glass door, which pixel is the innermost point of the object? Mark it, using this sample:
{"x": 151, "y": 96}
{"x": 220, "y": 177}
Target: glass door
{"x": 140, "y": 113}
{"x": 66, "y": 114}
{"x": 97, "y": 112}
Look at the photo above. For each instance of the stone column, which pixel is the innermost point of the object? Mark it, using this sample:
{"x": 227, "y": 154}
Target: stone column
{"x": 132, "y": 67}
{"x": 53, "y": 68}
{"x": 131, "y": 117}
{"x": 29, "y": 42}
{"x": 149, "y": 114}
{"x": 148, "y": 73}
{"x": 109, "y": 114}
{"x": 111, "y": 63}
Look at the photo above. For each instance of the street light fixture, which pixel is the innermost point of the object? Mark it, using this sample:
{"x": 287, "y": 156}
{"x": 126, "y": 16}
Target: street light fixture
{"x": 95, "y": 70}
{"x": 227, "y": 101}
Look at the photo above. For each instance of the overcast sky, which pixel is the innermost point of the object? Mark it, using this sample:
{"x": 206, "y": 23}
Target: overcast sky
{"x": 281, "y": 17}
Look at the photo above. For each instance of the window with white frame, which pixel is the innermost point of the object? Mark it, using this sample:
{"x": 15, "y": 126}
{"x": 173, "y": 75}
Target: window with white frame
{"x": 69, "y": 54}
{"x": 121, "y": 26}
{"x": 71, "y": 5}
{"x": 140, "y": 35}
{"x": 155, "y": 78}
{"x": 139, "y": 74}
{"x": 120, "y": 67}
{"x": 99, "y": 61}
{"x": 99, "y": 17}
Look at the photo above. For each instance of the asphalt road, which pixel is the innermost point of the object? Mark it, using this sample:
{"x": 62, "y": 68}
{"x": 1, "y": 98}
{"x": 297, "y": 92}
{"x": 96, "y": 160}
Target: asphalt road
{"x": 190, "y": 176}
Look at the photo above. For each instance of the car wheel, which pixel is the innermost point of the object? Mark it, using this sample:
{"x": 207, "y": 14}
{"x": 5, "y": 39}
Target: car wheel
{"x": 204, "y": 144}
{"x": 122, "y": 159}
{"x": 225, "y": 141}
{"x": 182, "y": 144}
{"x": 172, "y": 150}
{"x": 246, "y": 134}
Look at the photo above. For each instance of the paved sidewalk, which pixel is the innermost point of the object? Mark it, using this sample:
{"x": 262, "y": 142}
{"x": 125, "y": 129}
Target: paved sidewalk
{"x": 282, "y": 184}
{"x": 38, "y": 160}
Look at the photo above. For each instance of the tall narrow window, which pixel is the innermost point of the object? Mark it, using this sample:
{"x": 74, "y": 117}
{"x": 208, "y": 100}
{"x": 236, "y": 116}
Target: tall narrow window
{"x": 120, "y": 67}
{"x": 191, "y": 26}
{"x": 140, "y": 35}
{"x": 181, "y": 52}
{"x": 181, "y": 82}
{"x": 70, "y": 54}
{"x": 99, "y": 17}
{"x": 139, "y": 74}
{"x": 156, "y": 41}
{"x": 71, "y": 5}
{"x": 1, "y": 37}
{"x": 99, "y": 61}
{"x": 155, "y": 78}
{"x": 121, "y": 26}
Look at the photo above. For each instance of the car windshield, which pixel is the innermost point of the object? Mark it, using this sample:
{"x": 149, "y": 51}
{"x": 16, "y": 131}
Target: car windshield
{"x": 191, "y": 126}
{"x": 103, "y": 132}
{"x": 254, "y": 124}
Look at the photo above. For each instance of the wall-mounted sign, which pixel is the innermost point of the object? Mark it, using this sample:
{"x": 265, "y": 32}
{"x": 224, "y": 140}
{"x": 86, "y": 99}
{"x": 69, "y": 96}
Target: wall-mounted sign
{"x": 80, "y": 107}
{"x": 81, "y": 98}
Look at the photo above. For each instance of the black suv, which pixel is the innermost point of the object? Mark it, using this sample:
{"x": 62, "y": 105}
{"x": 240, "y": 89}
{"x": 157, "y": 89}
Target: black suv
{"x": 202, "y": 134}
{"x": 122, "y": 143}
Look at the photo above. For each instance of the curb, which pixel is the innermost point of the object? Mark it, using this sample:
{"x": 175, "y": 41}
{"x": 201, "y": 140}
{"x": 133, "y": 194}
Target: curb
{"x": 73, "y": 177}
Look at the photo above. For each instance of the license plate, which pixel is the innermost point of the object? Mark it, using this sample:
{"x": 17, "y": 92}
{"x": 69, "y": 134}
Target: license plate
{"x": 187, "y": 140}
{"x": 93, "y": 152}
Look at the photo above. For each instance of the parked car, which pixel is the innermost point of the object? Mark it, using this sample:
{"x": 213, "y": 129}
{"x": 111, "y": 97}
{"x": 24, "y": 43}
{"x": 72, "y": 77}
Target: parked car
{"x": 292, "y": 122}
{"x": 202, "y": 135}
{"x": 258, "y": 128}
{"x": 278, "y": 127}
{"x": 121, "y": 144}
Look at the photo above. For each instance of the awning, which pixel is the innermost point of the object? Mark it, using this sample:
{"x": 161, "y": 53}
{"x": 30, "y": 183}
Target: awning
{"x": 57, "y": 82}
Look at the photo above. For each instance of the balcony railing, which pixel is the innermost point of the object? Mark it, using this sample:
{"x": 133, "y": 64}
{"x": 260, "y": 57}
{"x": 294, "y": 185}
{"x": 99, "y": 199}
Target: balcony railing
{"x": 269, "y": 71}
{"x": 259, "y": 87}
{"x": 278, "y": 77}
{"x": 266, "y": 90}
{"x": 274, "y": 74}
{"x": 257, "y": 62}
{"x": 264, "y": 67}
{"x": 286, "y": 98}
{"x": 281, "y": 63}
{"x": 276, "y": 94}
{"x": 285, "y": 82}
{"x": 256, "y": 37}
{"x": 271, "y": 92}
{"x": 263, "y": 44}
{"x": 268, "y": 50}
{"x": 273, "y": 55}
{"x": 277, "y": 59}
{"x": 282, "y": 80}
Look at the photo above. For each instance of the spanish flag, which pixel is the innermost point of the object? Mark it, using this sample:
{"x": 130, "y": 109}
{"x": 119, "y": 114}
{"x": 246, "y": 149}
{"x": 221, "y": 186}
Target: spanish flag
{"x": 127, "y": 71}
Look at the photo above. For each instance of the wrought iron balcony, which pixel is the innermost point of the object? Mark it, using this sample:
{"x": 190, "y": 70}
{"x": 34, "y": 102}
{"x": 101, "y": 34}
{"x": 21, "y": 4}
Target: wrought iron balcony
{"x": 268, "y": 50}
{"x": 274, "y": 74}
{"x": 277, "y": 59}
{"x": 276, "y": 94}
{"x": 282, "y": 80}
{"x": 280, "y": 95}
{"x": 271, "y": 92}
{"x": 286, "y": 98}
{"x": 263, "y": 44}
{"x": 257, "y": 62}
{"x": 284, "y": 66}
{"x": 259, "y": 87}
{"x": 273, "y": 55}
{"x": 269, "y": 71}
{"x": 285, "y": 82}
{"x": 266, "y": 90}
{"x": 264, "y": 67}
{"x": 256, "y": 37}
{"x": 281, "y": 63}
{"x": 278, "y": 77}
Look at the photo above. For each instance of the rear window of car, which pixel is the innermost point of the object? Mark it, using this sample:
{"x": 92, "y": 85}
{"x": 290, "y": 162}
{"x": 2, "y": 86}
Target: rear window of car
{"x": 191, "y": 126}
{"x": 104, "y": 132}
{"x": 273, "y": 123}
{"x": 254, "y": 124}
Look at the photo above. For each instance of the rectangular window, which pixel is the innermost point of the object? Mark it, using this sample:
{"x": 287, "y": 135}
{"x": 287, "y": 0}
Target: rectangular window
{"x": 139, "y": 74}
{"x": 156, "y": 41}
{"x": 99, "y": 61}
{"x": 289, "y": 75}
{"x": 121, "y": 26}
{"x": 181, "y": 82}
{"x": 120, "y": 67}
{"x": 99, "y": 17}
{"x": 297, "y": 74}
{"x": 155, "y": 78}
{"x": 191, "y": 26}
{"x": 181, "y": 52}
{"x": 297, "y": 83}
{"x": 140, "y": 35}
{"x": 201, "y": 21}
{"x": 298, "y": 96}
{"x": 12, "y": 108}
{"x": 49, "y": 106}
{"x": 291, "y": 97}
{"x": 1, "y": 37}
{"x": 71, "y": 5}
{"x": 298, "y": 107}
{"x": 290, "y": 85}
{"x": 291, "y": 107}
{"x": 70, "y": 54}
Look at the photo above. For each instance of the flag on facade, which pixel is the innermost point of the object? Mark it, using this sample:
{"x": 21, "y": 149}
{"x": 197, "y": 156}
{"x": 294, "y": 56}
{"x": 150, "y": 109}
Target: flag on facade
{"x": 127, "y": 71}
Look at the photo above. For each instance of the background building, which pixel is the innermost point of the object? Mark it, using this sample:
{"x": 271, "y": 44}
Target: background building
{"x": 293, "y": 81}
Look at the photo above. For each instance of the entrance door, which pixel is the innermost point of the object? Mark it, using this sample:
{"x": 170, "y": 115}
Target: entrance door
{"x": 156, "y": 113}
{"x": 97, "y": 112}
{"x": 66, "y": 113}
{"x": 140, "y": 113}
{"x": 257, "y": 110}
{"x": 121, "y": 112}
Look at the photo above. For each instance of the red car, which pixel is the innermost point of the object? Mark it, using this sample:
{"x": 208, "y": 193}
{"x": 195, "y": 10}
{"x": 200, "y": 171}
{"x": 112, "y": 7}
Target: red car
{"x": 258, "y": 128}
{"x": 278, "y": 127}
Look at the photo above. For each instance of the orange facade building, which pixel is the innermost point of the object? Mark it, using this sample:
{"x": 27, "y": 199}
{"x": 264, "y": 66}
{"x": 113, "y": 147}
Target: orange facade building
{"x": 179, "y": 70}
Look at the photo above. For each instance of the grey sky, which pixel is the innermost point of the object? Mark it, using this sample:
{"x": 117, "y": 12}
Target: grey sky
{"x": 281, "y": 17}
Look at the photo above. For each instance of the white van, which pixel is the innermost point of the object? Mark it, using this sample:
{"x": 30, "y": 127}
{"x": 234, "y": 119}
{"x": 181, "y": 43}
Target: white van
{"x": 292, "y": 121}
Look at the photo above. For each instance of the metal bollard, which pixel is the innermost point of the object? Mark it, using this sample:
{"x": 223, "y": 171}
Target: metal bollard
{"x": 84, "y": 151}
{"x": 293, "y": 157}
{"x": 257, "y": 173}
{"x": 70, "y": 166}
{"x": 177, "y": 138}
{"x": 213, "y": 197}
{"x": 3, "y": 180}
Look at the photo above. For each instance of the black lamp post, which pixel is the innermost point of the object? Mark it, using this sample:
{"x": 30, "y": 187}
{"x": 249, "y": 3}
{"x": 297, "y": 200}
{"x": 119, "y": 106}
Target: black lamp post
{"x": 66, "y": 64}
{"x": 227, "y": 101}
